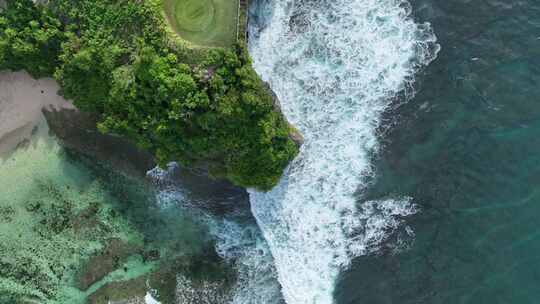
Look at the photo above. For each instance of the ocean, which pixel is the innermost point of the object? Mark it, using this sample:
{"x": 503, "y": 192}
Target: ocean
{"x": 417, "y": 181}
{"x": 465, "y": 148}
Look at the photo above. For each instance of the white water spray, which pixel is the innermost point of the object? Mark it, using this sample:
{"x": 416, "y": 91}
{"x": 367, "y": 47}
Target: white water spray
{"x": 335, "y": 65}
{"x": 238, "y": 241}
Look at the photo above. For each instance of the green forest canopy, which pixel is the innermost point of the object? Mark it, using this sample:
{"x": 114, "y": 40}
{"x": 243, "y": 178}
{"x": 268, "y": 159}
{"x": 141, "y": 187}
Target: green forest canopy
{"x": 201, "y": 107}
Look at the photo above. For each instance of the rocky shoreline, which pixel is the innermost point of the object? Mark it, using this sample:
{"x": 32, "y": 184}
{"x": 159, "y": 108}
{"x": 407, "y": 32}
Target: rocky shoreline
{"x": 138, "y": 264}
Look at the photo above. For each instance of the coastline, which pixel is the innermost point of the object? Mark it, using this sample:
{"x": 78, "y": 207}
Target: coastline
{"x": 29, "y": 109}
{"x": 22, "y": 100}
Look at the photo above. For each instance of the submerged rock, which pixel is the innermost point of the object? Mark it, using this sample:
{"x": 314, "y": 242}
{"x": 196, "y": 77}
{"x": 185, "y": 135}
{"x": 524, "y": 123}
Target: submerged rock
{"x": 186, "y": 280}
{"x": 110, "y": 258}
{"x": 204, "y": 279}
{"x": 77, "y": 132}
{"x": 53, "y": 216}
{"x": 126, "y": 292}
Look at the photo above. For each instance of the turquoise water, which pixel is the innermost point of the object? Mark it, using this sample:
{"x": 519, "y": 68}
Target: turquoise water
{"x": 57, "y": 209}
{"x": 466, "y": 149}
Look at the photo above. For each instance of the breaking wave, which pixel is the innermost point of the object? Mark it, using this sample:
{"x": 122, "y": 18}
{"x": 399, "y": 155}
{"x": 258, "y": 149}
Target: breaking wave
{"x": 336, "y": 66}
{"x": 237, "y": 238}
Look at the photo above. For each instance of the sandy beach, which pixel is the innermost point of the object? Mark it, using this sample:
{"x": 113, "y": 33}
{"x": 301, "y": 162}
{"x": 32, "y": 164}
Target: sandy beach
{"x": 21, "y": 100}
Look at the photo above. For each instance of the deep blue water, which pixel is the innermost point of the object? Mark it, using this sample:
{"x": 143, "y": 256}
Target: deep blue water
{"x": 466, "y": 148}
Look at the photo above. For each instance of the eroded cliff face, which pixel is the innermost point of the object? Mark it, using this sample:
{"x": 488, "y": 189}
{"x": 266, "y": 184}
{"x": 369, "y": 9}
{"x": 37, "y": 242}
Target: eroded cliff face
{"x": 77, "y": 131}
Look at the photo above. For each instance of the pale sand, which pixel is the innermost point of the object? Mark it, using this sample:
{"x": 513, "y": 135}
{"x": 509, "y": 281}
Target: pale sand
{"x": 21, "y": 101}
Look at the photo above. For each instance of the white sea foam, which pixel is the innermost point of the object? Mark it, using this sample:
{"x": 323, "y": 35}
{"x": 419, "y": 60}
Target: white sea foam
{"x": 243, "y": 244}
{"x": 335, "y": 65}
{"x": 238, "y": 240}
{"x": 149, "y": 299}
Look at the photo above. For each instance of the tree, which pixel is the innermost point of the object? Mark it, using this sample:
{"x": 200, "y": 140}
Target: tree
{"x": 30, "y": 38}
{"x": 113, "y": 58}
{"x": 85, "y": 71}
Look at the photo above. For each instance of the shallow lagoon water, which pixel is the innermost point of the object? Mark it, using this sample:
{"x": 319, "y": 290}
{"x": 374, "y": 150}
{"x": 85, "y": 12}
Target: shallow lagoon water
{"x": 57, "y": 209}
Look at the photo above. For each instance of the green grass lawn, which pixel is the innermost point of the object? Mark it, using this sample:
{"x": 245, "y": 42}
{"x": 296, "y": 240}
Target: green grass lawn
{"x": 204, "y": 22}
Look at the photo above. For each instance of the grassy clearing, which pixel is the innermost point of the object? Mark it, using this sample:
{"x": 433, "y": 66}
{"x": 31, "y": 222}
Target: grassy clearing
{"x": 204, "y": 22}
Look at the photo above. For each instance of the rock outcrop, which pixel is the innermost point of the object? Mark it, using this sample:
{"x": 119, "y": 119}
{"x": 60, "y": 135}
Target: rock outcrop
{"x": 77, "y": 132}
{"x": 294, "y": 134}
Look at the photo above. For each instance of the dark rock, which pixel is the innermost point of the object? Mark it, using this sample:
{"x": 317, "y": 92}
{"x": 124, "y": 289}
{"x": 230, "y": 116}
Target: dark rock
{"x": 195, "y": 279}
{"x": 296, "y": 136}
{"x": 6, "y": 213}
{"x": 87, "y": 218}
{"x": 107, "y": 260}
{"x": 77, "y": 131}
{"x": 151, "y": 255}
{"x": 33, "y": 206}
{"x": 299, "y": 22}
{"x": 124, "y": 292}
{"x": 216, "y": 196}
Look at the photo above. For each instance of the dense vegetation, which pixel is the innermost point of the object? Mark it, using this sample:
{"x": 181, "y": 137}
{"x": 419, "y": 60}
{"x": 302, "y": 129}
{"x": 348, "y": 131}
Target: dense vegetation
{"x": 202, "y": 107}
